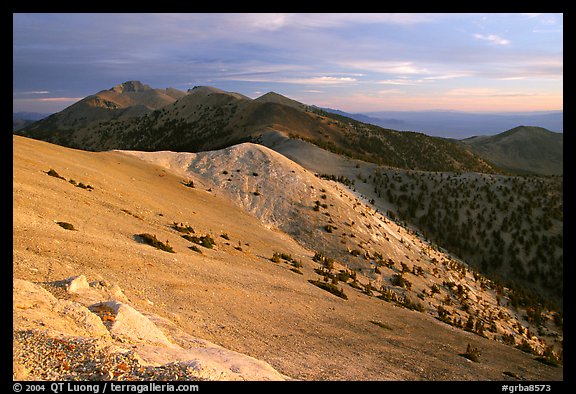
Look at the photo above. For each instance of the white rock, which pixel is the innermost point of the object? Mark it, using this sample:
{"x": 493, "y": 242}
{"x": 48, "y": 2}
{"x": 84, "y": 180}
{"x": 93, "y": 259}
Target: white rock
{"x": 77, "y": 284}
{"x": 133, "y": 326}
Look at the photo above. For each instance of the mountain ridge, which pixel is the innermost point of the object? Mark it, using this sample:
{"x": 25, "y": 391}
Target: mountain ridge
{"x": 208, "y": 118}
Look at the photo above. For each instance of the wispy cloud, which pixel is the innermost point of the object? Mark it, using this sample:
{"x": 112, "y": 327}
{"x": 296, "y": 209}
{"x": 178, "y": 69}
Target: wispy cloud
{"x": 385, "y": 67}
{"x": 35, "y": 92}
{"x": 51, "y": 99}
{"x": 492, "y": 38}
{"x": 486, "y": 92}
{"x": 388, "y": 92}
{"x": 531, "y": 15}
{"x": 401, "y": 81}
{"x": 272, "y": 22}
{"x": 448, "y": 76}
{"x": 277, "y": 77}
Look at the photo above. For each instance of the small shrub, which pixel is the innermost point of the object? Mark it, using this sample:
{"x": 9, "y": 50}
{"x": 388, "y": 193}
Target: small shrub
{"x": 53, "y": 173}
{"x": 286, "y": 256}
{"x": 549, "y": 358}
{"x": 65, "y": 225}
{"x": 412, "y": 305}
{"x": 525, "y": 347}
{"x": 195, "y": 249}
{"x": 293, "y": 269}
{"x": 275, "y": 257}
{"x": 444, "y": 314}
{"x": 368, "y": 289}
{"x": 181, "y": 228}
{"x": 354, "y": 284}
{"x": 225, "y": 236}
{"x": 472, "y": 354}
{"x": 318, "y": 257}
{"x": 387, "y": 295}
{"x": 470, "y": 324}
{"x": 400, "y": 281}
{"x": 508, "y": 339}
{"x": 297, "y": 264}
{"x": 153, "y": 241}
{"x": 343, "y": 276}
{"x": 328, "y": 263}
{"x": 205, "y": 240}
{"x": 83, "y": 186}
{"x": 326, "y": 274}
{"x": 329, "y": 288}
{"x": 189, "y": 183}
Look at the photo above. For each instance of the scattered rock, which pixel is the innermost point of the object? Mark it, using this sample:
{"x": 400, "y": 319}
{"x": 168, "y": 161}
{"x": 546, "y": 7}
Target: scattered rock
{"x": 62, "y": 339}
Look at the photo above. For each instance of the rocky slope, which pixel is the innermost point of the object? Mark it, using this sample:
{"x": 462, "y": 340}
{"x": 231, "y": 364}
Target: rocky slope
{"x": 63, "y": 325}
{"x": 255, "y": 289}
{"x": 508, "y": 227}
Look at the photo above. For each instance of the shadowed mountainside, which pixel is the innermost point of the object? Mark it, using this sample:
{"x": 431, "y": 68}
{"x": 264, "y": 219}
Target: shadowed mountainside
{"x": 523, "y": 149}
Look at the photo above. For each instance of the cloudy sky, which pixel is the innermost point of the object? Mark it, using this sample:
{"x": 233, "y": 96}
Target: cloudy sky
{"x": 352, "y": 62}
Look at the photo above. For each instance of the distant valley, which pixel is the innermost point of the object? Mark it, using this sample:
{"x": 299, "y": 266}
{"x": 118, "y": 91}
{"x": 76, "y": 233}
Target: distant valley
{"x": 23, "y": 119}
{"x": 457, "y": 124}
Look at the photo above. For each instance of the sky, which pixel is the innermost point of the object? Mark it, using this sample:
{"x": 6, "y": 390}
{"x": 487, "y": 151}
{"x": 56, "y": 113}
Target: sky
{"x": 352, "y": 62}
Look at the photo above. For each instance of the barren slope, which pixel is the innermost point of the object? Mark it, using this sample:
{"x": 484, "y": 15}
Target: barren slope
{"x": 233, "y": 294}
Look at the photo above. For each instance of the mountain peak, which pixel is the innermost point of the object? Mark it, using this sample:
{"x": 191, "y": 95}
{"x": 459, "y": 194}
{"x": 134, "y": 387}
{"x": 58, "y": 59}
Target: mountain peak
{"x": 273, "y": 97}
{"x": 131, "y": 86}
{"x": 205, "y": 89}
{"x": 528, "y": 130}
{"x": 522, "y": 149}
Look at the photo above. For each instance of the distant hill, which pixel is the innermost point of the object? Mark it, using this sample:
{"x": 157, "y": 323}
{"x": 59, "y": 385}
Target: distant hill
{"x": 523, "y": 149}
{"x": 134, "y": 116}
{"x": 459, "y": 125}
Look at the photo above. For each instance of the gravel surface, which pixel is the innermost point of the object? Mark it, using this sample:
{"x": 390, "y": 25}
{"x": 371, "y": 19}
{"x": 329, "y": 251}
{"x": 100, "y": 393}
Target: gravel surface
{"x": 81, "y": 359}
